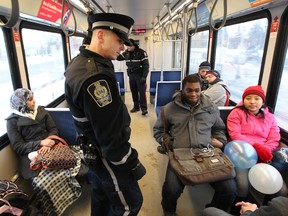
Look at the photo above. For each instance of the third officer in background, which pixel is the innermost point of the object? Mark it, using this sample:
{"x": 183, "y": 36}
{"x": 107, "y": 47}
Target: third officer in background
{"x": 138, "y": 69}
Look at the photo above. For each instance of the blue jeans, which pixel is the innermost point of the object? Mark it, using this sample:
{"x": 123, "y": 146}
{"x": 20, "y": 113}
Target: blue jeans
{"x": 114, "y": 192}
{"x": 224, "y": 196}
{"x": 242, "y": 182}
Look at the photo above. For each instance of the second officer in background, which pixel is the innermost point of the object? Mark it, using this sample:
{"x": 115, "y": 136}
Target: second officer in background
{"x": 138, "y": 69}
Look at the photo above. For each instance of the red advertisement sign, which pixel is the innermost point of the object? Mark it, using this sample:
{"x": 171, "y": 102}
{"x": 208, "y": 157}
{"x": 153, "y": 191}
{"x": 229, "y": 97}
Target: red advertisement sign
{"x": 16, "y": 35}
{"x": 255, "y": 3}
{"x": 51, "y": 10}
{"x": 275, "y": 25}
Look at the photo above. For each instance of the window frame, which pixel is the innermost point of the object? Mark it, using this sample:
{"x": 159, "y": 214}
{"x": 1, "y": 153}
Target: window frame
{"x": 40, "y": 27}
{"x": 278, "y": 66}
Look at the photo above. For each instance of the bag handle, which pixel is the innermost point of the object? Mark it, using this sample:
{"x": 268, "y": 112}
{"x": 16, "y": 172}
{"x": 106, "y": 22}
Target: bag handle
{"x": 165, "y": 134}
{"x": 55, "y": 137}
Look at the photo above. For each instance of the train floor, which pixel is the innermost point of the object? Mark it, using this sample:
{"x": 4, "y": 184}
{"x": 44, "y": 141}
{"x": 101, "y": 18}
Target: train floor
{"x": 191, "y": 202}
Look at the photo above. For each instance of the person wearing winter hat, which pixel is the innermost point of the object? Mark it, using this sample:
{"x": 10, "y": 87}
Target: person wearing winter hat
{"x": 137, "y": 68}
{"x": 203, "y": 68}
{"x": 217, "y": 90}
{"x": 254, "y": 90}
{"x": 251, "y": 121}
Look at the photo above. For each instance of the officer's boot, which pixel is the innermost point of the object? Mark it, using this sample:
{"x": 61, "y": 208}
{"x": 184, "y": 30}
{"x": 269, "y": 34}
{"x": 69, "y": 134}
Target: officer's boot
{"x": 135, "y": 109}
{"x": 144, "y": 111}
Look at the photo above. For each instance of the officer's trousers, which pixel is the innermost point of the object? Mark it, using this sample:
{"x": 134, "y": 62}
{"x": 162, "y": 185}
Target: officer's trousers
{"x": 138, "y": 91}
{"x": 114, "y": 192}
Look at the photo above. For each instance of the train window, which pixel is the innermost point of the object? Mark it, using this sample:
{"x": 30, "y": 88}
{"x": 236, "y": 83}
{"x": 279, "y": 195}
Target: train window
{"x": 198, "y": 50}
{"x": 239, "y": 54}
{"x": 45, "y": 63}
{"x": 167, "y": 61}
{"x": 282, "y": 99}
{"x": 75, "y": 43}
{"x": 6, "y": 87}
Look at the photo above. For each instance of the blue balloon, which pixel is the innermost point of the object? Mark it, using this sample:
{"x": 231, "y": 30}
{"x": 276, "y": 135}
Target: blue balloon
{"x": 242, "y": 154}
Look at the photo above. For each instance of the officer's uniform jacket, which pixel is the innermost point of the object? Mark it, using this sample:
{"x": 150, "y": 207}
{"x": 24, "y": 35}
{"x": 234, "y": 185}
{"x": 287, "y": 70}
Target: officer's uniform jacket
{"x": 100, "y": 115}
{"x": 136, "y": 61}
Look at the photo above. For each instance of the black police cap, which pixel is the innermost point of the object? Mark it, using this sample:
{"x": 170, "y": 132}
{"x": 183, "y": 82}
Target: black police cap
{"x": 118, "y": 23}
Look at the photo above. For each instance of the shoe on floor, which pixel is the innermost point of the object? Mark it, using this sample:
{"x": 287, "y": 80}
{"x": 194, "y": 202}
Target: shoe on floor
{"x": 144, "y": 112}
{"x": 161, "y": 150}
{"x": 134, "y": 110}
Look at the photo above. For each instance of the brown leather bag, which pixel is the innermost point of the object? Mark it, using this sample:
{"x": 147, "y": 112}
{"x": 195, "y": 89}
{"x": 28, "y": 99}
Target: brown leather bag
{"x": 59, "y": 157}
{"x": 196, "y": 166}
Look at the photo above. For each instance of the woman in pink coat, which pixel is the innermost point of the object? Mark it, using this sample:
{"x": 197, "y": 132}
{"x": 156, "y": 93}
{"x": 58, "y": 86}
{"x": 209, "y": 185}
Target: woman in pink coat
{"x": 252, "y": 122}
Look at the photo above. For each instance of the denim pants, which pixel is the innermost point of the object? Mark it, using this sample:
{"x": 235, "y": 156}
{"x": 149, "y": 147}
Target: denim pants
{"x": 114, "y": 192}
{"x": 224, "y": 196}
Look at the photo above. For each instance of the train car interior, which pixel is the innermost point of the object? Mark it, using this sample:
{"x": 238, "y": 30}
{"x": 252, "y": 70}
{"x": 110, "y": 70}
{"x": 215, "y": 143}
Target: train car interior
{"x": 245, "y": 41}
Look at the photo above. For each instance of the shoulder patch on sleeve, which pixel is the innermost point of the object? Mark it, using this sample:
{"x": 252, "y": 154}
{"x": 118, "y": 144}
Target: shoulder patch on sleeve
{"x": 100, "y": 92}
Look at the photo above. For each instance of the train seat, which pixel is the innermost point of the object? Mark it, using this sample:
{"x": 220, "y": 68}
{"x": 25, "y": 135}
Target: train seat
{"x": 224, "y": 111}
{"x": 120, "y": 79}
{"x": 65, "y": 124}
{"x": 154, "y": 77}
{"x": 172, "y": 75}
{"x": 164, "y": 92}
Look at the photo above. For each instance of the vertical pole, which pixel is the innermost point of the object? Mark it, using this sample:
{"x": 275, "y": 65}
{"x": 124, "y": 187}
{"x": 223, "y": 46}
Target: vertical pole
{"x": 184, "y": 42}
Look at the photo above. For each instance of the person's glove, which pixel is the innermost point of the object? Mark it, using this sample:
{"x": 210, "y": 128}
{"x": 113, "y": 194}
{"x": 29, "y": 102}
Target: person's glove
{"x": 143, "y": 80}
{"x": 139, "y": 171}
{"x": 263, "y": 152}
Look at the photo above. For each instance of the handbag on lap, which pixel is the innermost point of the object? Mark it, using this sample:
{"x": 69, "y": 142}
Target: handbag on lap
{"x": 198, "y": 165}
{"x": 60, "y": 156}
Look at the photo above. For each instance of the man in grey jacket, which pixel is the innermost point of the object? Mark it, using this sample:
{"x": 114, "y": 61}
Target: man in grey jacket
{"x": 194, "y": 122}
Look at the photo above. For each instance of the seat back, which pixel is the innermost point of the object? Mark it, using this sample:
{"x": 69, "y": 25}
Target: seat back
{"x": 172, "y": 76}
{"x": 120, "y": 79}
{"x": 164, "y": 92}
{"x": 65, "y": 124}
{"x": 155, "y": 76}
{"x": 224, "y": 112}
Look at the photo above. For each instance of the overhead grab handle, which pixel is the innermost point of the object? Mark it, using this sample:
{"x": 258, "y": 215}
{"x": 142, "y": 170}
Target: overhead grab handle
{"x": 169, "y": 29}
{"x": 224, "y": 15}
{"x": 193, "y": 11}
{"x": 179, "y": 27}
{"x": 169, "y": 10}
{"x": 63, "y": 16}
{"x": 159, "y": 21}
{"x": 14, "y": 15}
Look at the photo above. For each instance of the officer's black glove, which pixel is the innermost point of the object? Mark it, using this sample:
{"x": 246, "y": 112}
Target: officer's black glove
{"x": 143, "y": 80}
{"x": 139, "y": 171}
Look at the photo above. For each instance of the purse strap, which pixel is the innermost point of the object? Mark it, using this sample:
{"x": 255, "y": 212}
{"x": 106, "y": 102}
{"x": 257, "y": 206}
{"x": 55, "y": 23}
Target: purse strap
{"x": 166, "y": 127}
